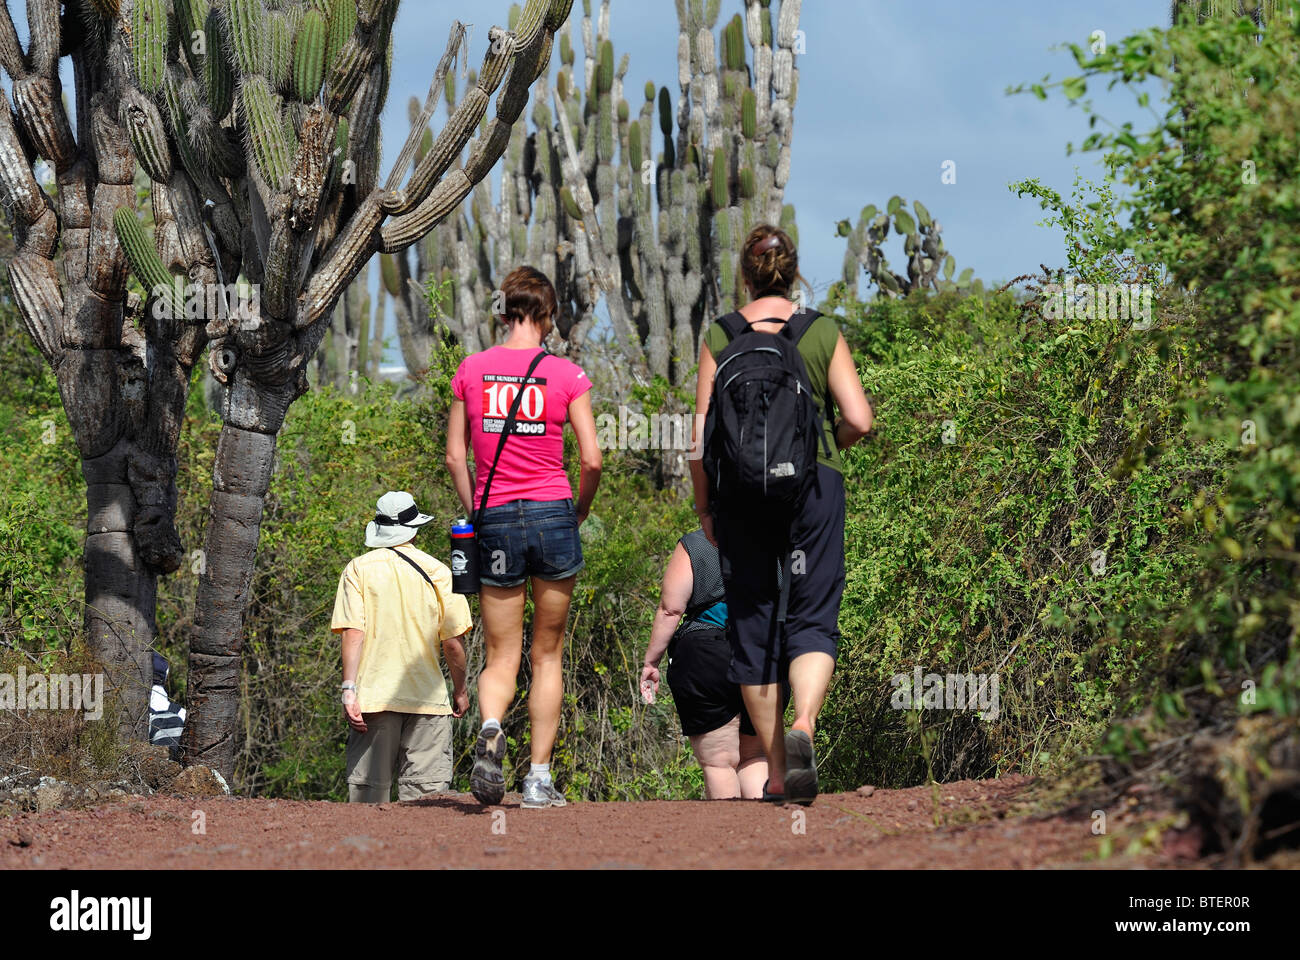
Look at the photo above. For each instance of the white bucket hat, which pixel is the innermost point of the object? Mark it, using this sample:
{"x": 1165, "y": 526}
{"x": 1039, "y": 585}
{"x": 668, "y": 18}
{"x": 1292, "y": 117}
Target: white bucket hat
{"x": 396, "y": 515}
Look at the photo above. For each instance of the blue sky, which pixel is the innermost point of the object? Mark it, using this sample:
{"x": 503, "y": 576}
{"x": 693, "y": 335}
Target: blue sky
{"x": 888, "y": 91}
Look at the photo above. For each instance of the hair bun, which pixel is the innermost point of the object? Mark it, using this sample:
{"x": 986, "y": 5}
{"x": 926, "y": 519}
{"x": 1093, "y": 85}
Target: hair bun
{"x": 769, "y": 262}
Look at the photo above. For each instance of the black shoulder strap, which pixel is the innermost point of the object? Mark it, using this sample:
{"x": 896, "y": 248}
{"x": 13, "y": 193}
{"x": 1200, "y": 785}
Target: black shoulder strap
{"x": 798, "y": 323}
{"x": 505, "y": 432}
{"x": 801, "y": 322}
{"x": 733, "y": 325}
{"x": 419, "y": 569}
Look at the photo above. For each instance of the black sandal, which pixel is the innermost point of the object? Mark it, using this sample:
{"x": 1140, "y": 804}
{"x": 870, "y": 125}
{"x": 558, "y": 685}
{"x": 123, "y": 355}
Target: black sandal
{"x": 800, "y": 768}
{"x": 771, "y": 797}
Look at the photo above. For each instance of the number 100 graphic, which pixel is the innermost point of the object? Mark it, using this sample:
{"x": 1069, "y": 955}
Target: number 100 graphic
{"x": 499, "y": 393}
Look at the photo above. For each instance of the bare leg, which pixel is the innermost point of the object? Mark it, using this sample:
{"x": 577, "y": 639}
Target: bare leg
{"x": 545, "y": 696}
{"x": 503, "y": 638}
{"x": 810, "y": 675}
{"x": 753, "y": 767}
{"x": 718, "y": 752}
{"x": 764, "y": 706}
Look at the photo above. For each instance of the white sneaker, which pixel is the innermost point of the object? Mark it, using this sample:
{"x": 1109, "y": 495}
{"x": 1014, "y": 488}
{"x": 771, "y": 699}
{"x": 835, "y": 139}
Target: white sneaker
{"x": 541, "y": 793}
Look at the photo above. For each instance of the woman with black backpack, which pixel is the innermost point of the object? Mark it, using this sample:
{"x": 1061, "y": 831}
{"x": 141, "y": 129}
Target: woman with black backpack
{"x": 769, "y": 490}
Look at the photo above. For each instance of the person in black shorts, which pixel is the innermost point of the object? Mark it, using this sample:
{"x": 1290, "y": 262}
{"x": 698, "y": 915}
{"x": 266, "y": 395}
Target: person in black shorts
{"x": 690, "y": 626}
{"x": 803, "y": 651}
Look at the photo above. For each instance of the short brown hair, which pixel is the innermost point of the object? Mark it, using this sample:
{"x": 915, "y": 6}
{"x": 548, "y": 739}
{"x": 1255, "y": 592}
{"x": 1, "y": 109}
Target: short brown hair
{"x": 769, "y": 261}
{"x": 528, "y": 293}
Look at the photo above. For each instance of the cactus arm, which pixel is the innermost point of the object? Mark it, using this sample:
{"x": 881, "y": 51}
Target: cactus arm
{"x": 427, "y": 204}
{"x": 309, "y": 56}
{"x": 12, "y": 57}
{"x": 419, "y": 122}
{"x": 37, "y": 94}
{"x": 32, "y": 272}
{"x": 785, "y": 77}
{"x": 488, "y": 148}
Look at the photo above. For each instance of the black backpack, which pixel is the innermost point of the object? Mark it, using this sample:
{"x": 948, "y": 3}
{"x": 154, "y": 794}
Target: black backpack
{"x": 763, "y": 427}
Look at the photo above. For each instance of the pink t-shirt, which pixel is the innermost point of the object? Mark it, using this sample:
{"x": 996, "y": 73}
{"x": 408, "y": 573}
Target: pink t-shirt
{"x": 532, "y": 463}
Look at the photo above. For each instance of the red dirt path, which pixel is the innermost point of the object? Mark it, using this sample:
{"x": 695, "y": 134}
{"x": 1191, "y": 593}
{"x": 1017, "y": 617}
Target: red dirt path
{"x": 890, "y": 828}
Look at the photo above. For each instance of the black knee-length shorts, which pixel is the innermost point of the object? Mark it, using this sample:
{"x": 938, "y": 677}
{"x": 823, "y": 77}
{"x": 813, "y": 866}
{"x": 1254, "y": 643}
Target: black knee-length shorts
{"x": 760, "y": 652}
{"x": 697, "y": 676}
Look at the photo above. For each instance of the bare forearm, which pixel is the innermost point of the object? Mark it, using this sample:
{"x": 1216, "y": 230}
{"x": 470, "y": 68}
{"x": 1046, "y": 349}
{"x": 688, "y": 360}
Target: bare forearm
{"x": 700, "y": 486}
{"x": 846, "y": 435}
{"x": 588, "y": 481}
{"x": 352, "y": 640}
{"x": 453, "y": 652}
{"x": 462, "y": 478}
{"x": 661, "y": 633}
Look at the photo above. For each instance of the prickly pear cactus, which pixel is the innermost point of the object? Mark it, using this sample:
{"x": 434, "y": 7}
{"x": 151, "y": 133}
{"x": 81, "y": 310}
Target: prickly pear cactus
{"x": 929, "y": 265}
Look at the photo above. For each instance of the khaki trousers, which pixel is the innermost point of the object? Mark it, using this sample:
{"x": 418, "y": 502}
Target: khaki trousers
{"x": 417, "y": 745}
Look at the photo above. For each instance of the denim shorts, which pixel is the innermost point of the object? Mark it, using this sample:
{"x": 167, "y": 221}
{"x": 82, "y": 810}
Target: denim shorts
{"x": 528, "y": 538}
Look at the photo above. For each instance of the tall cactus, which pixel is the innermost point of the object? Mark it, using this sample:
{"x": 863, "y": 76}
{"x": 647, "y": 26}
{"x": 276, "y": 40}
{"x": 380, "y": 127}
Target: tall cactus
{"x": 589, "y": 199}
{"x": 256, "y": 122}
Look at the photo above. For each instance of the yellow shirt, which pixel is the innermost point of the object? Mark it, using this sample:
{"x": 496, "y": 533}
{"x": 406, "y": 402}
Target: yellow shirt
{"x": 404, "y": 623}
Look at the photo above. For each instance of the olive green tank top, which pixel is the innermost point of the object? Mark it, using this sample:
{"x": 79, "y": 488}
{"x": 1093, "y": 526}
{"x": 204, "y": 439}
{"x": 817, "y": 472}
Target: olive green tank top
{"x": 817, "y": 347}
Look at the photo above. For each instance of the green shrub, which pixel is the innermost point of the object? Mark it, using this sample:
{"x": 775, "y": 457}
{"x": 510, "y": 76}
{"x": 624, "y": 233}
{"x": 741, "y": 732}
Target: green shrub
{"x": 1213, "y": 201}
{"x": 1008, "y": 449}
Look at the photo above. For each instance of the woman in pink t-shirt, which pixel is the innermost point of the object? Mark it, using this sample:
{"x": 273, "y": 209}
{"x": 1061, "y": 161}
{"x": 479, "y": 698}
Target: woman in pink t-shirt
{"x": 528, "y": 529}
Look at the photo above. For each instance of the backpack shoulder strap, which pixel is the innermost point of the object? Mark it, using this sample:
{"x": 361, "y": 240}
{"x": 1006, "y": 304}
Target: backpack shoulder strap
{"x": 801, "y": 322}
{"x": 733, "y": 325}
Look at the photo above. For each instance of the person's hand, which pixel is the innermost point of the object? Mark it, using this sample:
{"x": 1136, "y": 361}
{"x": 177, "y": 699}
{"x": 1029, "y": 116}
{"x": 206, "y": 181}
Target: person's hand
{"x": 649, "y": 682}
{"x": 352, "y": 710}
{"x": 706, "y": 524}
{"x": 459, "y": 702}
{"x": 583, "y": 514}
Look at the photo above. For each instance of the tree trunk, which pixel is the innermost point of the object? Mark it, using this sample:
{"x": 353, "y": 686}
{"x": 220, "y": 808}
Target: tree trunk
{"x": 120, "y": 590}
{"x": 302, "y": 273}
{"x": 241, "y": 477}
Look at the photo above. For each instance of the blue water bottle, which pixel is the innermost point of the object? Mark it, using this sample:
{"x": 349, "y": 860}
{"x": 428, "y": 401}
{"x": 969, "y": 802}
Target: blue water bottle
{"x": 464, "y": 558}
